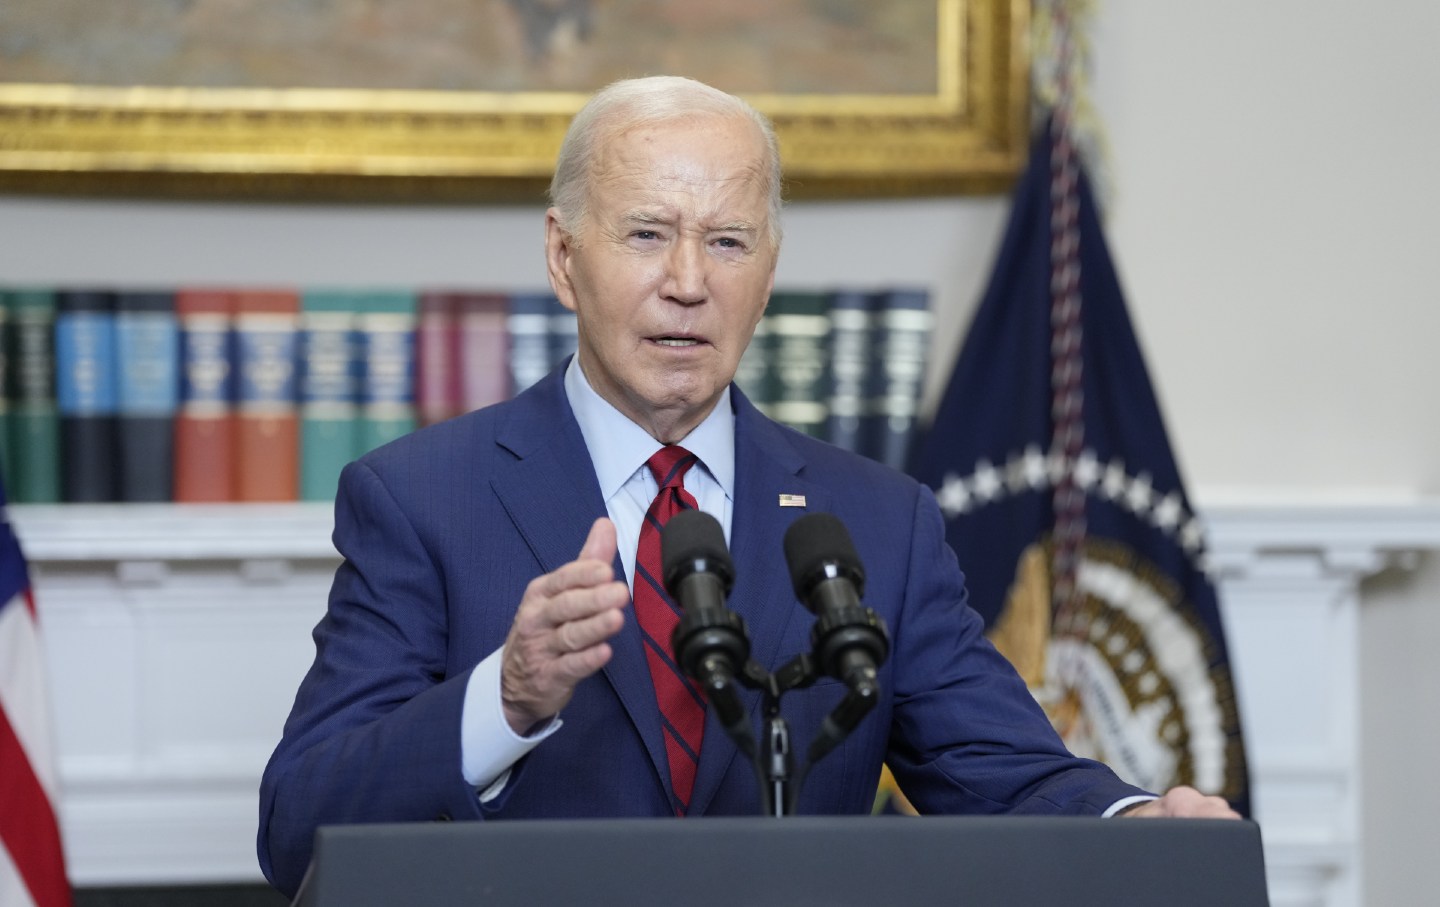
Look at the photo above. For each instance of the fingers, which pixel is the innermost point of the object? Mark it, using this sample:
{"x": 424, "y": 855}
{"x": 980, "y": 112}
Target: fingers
{"x": 560, "y": 632}
{"x": 1185, "y": 803}
{"x": 584, "y": 632}
{"x": 593, "y": 566}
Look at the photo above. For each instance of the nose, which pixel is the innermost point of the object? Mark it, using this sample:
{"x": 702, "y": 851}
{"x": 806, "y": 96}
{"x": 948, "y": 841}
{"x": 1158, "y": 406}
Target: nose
{"x": 685, "y": 271}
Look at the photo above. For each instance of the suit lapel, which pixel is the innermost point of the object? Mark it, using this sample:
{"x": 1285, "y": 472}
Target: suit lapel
{"x": 551, "y": 473}
{"x": 766, "y": 466}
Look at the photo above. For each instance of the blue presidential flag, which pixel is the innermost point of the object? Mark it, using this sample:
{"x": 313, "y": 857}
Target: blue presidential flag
{"x": 1049, "y": 458}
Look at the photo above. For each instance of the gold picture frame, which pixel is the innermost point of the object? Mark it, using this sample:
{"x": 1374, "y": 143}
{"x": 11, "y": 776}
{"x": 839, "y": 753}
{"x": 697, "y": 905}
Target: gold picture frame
{"x": 393, "y": 145}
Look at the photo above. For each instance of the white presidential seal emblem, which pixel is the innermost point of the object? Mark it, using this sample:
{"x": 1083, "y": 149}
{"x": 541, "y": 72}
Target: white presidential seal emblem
{"x": 1130, "y": 681}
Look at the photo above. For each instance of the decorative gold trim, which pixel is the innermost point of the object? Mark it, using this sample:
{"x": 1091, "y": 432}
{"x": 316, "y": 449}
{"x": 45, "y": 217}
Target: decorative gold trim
{"x": 479, "y": 146}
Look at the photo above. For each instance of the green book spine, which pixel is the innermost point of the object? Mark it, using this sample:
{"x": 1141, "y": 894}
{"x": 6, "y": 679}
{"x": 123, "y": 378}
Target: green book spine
{"x": 752, "y": 375}
{"x": 850, "y": 364}
{"x": 33, "y": 461}
{"x": 798, "y": 343}
{"x": 385, "y": 326}
{"x": 7, "y": 481}
{"x": 902, "y": 336}
{"x": 329, "y": 392}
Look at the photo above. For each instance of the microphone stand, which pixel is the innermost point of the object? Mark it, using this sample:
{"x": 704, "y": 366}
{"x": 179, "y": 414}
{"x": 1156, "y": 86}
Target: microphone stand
{"x": 715, "y": 637}
{"x": 775, "y": 761}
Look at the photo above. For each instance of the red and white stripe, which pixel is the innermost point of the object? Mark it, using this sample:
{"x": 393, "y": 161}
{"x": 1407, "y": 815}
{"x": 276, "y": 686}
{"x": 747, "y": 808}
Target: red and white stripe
{"x": 32, "y": 864}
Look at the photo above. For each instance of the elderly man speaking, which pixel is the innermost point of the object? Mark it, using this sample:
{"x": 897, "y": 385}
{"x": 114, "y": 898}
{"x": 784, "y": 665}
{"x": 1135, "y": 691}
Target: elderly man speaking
{"x": 494, "y": 648}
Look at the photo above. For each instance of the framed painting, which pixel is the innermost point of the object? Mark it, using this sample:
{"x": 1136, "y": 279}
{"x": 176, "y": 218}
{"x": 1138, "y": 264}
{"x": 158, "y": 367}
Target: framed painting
{"x": 467, "y": 100}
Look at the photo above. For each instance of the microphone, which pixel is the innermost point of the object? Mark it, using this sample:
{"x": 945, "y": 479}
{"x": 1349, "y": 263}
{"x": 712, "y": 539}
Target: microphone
{"x": 850, "y": 641}
{"x": 710, "y": 643}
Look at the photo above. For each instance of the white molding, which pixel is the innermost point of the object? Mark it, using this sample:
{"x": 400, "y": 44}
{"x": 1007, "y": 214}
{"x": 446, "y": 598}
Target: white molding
{"x": 1354, "y": 537}
{"x": 173, "y": 532}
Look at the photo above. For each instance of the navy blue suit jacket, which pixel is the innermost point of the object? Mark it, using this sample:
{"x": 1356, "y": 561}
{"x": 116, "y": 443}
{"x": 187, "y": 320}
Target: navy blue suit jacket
{"x": 442, "y": 530}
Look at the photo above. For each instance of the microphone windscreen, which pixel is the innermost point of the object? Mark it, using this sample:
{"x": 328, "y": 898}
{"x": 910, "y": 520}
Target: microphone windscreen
{"x": 691, "y": 537}
{"x": 812, "y": 542}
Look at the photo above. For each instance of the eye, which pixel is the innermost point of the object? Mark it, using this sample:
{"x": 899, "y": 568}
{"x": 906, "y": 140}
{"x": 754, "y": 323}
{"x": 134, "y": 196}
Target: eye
{"x": 645, "y": 235}
{"x": 729, "y": 242}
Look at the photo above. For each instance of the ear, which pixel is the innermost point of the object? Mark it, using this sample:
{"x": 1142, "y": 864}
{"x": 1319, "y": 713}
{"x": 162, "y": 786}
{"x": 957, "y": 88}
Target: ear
{"x": 559, "y": 244}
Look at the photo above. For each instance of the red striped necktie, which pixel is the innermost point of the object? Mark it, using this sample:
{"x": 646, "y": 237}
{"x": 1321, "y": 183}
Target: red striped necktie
{"x": 682, "y": 706}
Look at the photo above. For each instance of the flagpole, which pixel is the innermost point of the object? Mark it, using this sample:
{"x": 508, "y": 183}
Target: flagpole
{"x": 1067, "y": 407}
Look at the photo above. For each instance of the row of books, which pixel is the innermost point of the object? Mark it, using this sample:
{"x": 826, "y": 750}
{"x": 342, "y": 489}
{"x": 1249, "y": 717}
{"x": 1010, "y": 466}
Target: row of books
{"x": 846, "y": 366}
{"x": 248, "y": 394}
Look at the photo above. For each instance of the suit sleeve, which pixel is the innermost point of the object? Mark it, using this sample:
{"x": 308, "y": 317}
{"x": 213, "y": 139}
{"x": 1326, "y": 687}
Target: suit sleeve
{"x": 966, "y": 735}
{"x": 374, "y": 732}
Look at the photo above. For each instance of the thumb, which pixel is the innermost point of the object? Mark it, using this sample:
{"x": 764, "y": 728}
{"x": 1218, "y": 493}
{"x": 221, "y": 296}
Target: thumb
{"x": 600, "y": 543}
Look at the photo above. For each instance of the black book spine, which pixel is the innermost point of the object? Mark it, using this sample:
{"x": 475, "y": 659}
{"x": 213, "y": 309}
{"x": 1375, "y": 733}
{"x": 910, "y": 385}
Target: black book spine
{"x": 85, "y": 384}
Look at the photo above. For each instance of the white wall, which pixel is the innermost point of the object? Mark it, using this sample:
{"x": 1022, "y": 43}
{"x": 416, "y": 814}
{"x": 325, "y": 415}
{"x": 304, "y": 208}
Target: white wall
{"x": 1273, "y": 225}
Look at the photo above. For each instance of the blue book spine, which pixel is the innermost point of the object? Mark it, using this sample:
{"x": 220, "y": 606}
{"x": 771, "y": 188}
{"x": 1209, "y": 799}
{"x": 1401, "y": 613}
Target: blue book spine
{"x": 147, "y": 346}
{"x": 529, "y": 326}
{"x": 86, "y": 391}
{"x": 564, "y": 331}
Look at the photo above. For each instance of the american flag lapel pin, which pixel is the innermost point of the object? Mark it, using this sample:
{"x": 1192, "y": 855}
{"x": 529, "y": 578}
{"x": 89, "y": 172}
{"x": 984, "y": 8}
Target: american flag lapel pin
{"x": 792, "y": 500}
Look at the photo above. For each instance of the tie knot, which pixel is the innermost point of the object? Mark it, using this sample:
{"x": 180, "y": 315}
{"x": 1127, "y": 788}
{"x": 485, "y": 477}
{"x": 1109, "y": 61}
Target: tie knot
{"x": 669, "y": 465}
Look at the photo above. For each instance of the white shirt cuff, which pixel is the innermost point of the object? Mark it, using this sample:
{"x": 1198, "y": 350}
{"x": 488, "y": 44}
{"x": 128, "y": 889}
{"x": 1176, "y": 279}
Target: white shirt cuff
{"x": 488, "y": 746}
{"x": 1124, "y": 802}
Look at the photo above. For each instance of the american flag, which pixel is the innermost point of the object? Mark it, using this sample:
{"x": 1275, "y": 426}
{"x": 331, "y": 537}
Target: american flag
{"x": 32, "y": 864}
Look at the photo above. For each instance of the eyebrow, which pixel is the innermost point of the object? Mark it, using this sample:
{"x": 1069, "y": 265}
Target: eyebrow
{"x": 739, "y": 226}
{"x": 643, "y": 217}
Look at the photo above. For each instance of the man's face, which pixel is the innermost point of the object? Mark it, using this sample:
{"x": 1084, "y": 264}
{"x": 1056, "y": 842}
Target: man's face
{"x": 671, "y": 268}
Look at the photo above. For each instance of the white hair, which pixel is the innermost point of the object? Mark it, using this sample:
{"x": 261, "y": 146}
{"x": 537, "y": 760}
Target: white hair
{"x": 634, "y": 102}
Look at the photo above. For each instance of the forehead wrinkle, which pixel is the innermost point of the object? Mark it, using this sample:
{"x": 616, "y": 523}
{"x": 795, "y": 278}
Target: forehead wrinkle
{"x": 628, "y": 164}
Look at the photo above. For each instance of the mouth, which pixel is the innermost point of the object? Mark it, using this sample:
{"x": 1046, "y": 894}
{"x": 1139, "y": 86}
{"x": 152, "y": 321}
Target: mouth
{"x": 676, "y": 341}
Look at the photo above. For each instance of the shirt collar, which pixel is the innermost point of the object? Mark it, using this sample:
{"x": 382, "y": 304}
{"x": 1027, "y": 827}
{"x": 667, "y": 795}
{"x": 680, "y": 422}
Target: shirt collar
{"x": 618, "y": 447}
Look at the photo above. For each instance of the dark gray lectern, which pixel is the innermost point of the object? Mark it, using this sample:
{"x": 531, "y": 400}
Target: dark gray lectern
{"x": 791, "y": 862}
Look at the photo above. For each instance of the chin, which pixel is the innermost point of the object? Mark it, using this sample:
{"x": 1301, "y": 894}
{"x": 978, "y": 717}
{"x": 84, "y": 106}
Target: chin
{"x": 684, "y": 395}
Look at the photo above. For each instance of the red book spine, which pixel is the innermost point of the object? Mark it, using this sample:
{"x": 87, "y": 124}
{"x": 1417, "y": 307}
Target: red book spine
{"x": 485, "y": 349}
{"x": 437, "y": 358}
{"x": 267, "y": 423}
{"x": 204, "y": 420}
